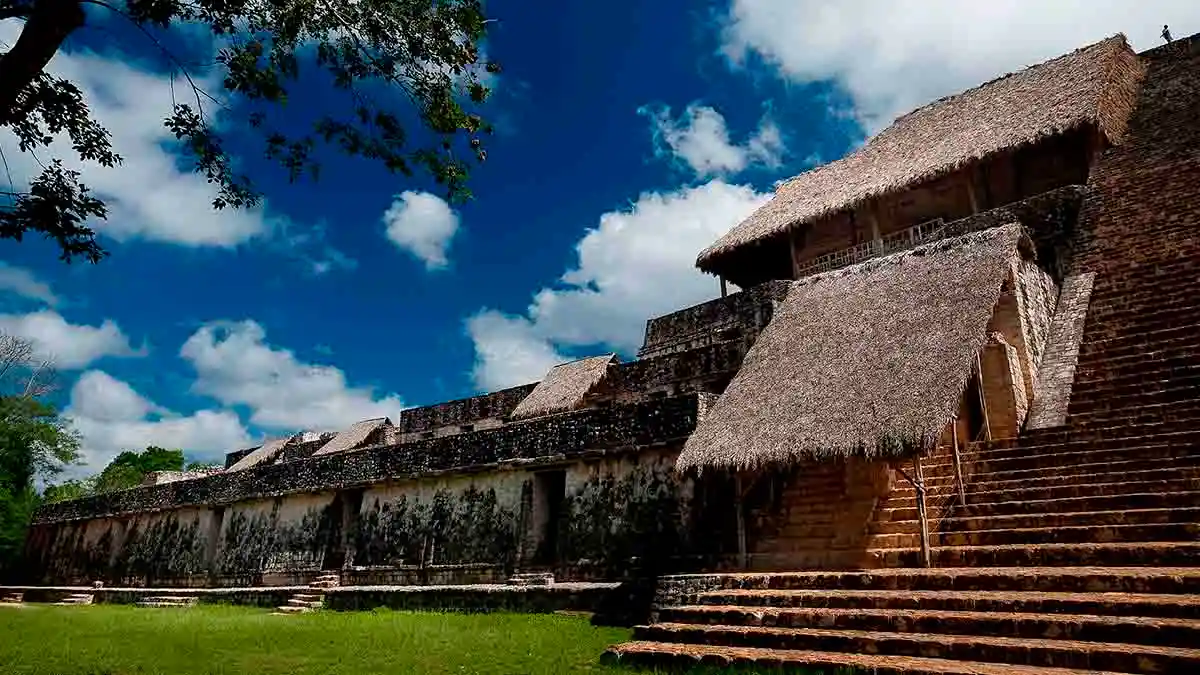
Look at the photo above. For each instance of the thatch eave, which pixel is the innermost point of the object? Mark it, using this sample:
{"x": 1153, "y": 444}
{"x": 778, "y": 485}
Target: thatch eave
{"x": 869, "y": 360}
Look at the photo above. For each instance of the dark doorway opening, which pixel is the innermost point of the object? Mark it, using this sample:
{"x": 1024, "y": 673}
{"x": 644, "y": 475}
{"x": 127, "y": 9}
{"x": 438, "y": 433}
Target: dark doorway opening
{"x": 549, "y": 495}
{"x": 975, "y": 421}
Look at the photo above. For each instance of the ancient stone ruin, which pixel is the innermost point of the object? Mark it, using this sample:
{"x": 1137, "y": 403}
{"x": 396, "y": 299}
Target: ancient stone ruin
{"x": 948, "y": 424}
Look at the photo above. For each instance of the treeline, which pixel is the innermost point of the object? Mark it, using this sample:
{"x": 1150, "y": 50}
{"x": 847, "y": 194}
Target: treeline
{"x": 126, "y": 470}
{"x": 37, "y": 444}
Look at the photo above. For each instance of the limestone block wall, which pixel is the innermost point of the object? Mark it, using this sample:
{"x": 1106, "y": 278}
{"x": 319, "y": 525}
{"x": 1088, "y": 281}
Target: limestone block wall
{"x": 634, "y": 510}
{"x": 736, "y": 317}
{"x": 448, "y": 520}
{"x": 438, "y": 506}
{"x": 166, "y": 548}
{"x": 288, "y": 533}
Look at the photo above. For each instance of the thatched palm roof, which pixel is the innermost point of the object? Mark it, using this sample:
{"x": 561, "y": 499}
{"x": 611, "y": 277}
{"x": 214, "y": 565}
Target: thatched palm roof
{"x": 265, "y": 453}
{"x": 868, "y": 360}
{"x": 1093, "y": 85}
{"x": 564, "y": 387}
{"x": 351, "y": 438}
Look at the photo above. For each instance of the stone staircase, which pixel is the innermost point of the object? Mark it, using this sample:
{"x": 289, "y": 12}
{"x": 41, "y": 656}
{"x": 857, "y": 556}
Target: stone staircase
{"x": 313, "y": 598}
{"x": 76, "y": 599}
{"x": 1078, "y": 550}
{"x": 169, "y": 601}
{"x": 531, "y": 579}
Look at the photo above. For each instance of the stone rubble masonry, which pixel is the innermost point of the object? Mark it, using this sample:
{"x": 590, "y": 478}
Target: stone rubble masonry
{"x": 1052, "y": 396}
{"x": 496, "y": 405}
{"x": 614, "y": 428}
{"x": 738, "y": 316}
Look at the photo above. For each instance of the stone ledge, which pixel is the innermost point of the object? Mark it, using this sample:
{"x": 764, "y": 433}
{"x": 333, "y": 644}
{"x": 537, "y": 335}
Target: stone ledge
{"x": 562, "y": 437}
{"x": 568, "y": 596}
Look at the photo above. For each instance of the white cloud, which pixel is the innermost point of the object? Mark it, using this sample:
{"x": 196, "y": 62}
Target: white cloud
{"x": 891, "y": 57}
{"x": 422, "y": 224}
{"x": 153, "y": 195}
{"x": 508, "y": 351}
{"x": 22, "y": 282}
{"x": 636, "y": 264}
{"x": 70, "y": 346}
{"x": 236, "y": 366}
{"x": 112, "y": 417}
{"x": 700, "y": 139}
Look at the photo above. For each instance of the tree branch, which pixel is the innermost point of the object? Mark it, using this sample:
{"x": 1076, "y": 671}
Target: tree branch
{"x": 47, "y": 26}
{"x": 196, "y": 89}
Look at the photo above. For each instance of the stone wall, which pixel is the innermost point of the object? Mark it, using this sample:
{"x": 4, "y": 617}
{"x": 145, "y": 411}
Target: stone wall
{"x": 447, "y": 510}
{"x": 1142, "y": 206}
{"x": 739, "y": 316}
{"x": 705, "y": 369}
{"x": 614, "y": 428}
{"x": 1056, "y": 374}
{"x": 443, "y": 419}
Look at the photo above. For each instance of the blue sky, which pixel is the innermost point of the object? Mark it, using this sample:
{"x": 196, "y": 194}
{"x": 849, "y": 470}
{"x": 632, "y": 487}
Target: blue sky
{"x": 629, "y": 137}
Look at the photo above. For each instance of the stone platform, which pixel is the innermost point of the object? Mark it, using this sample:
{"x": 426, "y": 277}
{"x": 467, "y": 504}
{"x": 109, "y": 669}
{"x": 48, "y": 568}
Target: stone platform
{"x": 566, "y": 596}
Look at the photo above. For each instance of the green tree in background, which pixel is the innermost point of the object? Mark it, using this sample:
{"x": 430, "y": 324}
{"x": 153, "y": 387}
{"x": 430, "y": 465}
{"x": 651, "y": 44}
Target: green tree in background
{"x": 35, "y": 442}
{"x": 400, "y": 77}
{"x": 126, "y": 470}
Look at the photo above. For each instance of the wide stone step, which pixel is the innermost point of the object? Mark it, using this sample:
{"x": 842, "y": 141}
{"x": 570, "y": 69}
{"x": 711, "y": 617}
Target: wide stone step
{"x": 312, "y": 604}
{"x": 1149, "y": 390}
{"x": 1077, "y": 534}
{"x": 1136, "y": 470}
{"x": 1160, "y": 368}
{"x": 1176, "y": 416}
{"x": 673, "y": 656}
{"x": 1083, "y": 627}
{"x": 1065, "y": 438}
{"x": 1048, "y": 492}
{"x": 1033, "y": 520}
{"x": 1142, "y": 500}
{"x": 1175, "y": 336}
{"x": 1116, "y": 400}
{"x": 1103, "y": 604}
{"x": 1135, "y": 361}
{"x": 1151, "y": 376}
{"x": 1076, "y": 455}
{"x": 292, "y": 609}
{"x": 1120, "y": 657}
{"x": 1111, "y": 435}
{"x": 1184, "y": 553}
{"x": 1184, "y": 580}
{"x": 1103, "y": 316}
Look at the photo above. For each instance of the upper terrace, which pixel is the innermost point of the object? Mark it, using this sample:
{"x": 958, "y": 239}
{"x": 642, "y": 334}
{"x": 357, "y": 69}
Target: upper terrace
{"x": 1002, "y": 142}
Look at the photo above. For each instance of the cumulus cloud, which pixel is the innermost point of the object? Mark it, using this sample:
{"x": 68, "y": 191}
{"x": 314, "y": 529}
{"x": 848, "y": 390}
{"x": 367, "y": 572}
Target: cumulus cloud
{"x": 69, "y": 346}
{"x": 422, "y": 224}
{"x": 636, "y": 263}
{"x": 153, "y": 195}
{"x": 235, "y": 365}
{"x": 891, "y": 57}
{"x": 24, "y": 283}
{"x": 509, "y": 351}
{"x": 112, "y": 417}
{"x": 700, "y": 139}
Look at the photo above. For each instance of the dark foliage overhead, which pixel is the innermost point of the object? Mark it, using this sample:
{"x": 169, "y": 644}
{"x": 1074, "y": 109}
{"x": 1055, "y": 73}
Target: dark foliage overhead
{"x": 406, "y": 72}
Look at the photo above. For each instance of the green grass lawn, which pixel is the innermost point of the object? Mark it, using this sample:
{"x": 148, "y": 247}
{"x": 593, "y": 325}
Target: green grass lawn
{"x": 123, "y": 640}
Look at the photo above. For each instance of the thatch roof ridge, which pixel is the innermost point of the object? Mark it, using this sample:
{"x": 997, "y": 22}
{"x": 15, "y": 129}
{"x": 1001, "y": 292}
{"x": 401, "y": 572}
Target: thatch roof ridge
{"x": 1023, "y": 107}
{"x": 353, "y": 436}
{"x": 263, "y": 454}
{"x": 564, "y": 387}
{"x": 868, "y": 360}
{"x": 1113, "y": 41}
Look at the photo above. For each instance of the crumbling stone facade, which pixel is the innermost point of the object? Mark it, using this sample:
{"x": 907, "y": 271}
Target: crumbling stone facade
{"x": 466, "y": 492}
